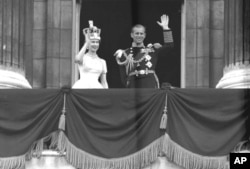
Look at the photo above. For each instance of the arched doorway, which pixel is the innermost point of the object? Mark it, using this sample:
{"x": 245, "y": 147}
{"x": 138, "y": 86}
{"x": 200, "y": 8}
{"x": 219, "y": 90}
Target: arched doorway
{"x": 115, "y": 18}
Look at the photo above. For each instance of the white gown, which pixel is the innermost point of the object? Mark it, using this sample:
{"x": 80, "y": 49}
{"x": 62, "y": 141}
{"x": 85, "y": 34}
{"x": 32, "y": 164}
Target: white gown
{"x": 90, "y": 71}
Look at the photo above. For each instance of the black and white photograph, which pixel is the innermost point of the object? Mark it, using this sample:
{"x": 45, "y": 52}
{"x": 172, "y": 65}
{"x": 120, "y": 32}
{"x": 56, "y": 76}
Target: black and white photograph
{"x": 124, "y": 84}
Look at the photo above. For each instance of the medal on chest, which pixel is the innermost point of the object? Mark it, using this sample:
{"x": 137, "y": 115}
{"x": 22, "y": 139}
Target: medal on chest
{"x": 147, "y": 57}
{"x": 140, "y": 58}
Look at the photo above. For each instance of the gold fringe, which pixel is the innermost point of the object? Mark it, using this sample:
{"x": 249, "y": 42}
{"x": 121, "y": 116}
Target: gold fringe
{"x": 35, "y": 150}
{"x": 190, "y": 160}
{"x": 37, "y": 147}
{"x": 12, "y": 162}
{"x": 83, "y": 160}
{"x": 243, "y": 146}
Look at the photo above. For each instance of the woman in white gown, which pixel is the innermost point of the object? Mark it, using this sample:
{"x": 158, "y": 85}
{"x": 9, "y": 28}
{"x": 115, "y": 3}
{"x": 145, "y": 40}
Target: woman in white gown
{"x": 92, "y": 69}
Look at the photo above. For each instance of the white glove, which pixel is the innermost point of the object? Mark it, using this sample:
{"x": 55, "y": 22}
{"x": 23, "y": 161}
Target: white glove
{"x": 157, "y": 45}
{"x": 150, "y": 45}
{"x": 119, "y": 53}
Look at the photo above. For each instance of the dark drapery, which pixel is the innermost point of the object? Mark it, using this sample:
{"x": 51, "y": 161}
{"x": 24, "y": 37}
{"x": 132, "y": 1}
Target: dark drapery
{"x": 114, "y": 124}
{"x": 117, "y": 126}
{"x": 25, "y": 117}
{"x": 208, "y": 121}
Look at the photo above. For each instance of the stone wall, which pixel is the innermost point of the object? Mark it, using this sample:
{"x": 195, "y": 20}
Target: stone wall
{"x": 204, "y": 43}
{"x": 52, "y": 43}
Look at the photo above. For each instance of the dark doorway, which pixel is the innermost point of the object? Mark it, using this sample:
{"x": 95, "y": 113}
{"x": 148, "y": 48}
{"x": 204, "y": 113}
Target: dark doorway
{"x": 116, "y": 17}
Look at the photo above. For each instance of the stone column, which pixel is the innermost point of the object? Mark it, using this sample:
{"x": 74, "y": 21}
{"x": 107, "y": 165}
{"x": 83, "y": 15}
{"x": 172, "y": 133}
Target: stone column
{"x": 197, "y": 43}
{"x": 237, "y": 45}
{"x": 216, "y": 47}
{"x": 204, "y": 33}
{"x": 12, "y": 43}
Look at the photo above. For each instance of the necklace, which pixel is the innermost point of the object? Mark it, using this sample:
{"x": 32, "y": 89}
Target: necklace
{"x": 133, "y": 59}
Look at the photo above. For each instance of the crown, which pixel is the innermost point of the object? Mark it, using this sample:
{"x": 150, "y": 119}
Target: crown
{"x": 92, "y": 31}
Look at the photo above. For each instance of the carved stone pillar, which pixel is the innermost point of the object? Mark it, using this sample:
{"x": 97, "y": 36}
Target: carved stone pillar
{"x": 237, "y": 45}
{"x": 12, "y": 44}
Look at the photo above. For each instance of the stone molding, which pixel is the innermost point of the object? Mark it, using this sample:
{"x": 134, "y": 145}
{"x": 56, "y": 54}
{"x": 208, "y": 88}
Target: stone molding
{"x": 235, "y": 76}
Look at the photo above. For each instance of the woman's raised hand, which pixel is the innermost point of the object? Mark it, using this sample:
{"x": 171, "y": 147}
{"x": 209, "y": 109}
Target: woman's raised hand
{"x": 85, "y": 33}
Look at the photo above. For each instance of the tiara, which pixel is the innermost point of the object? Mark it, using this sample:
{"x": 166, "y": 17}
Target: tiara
{"x": 92, "y": 31}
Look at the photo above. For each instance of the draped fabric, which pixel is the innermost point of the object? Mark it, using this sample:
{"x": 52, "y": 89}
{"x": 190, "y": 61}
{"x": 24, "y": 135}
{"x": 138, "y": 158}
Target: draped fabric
{"x": 208, "y": 121}
{"x": 120, "y": 123}
{"x": 27, "y": 116}
{"x": 120, "y": 128}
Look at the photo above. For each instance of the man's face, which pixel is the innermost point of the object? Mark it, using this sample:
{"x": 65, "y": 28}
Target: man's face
{"x": 138, "y": 35}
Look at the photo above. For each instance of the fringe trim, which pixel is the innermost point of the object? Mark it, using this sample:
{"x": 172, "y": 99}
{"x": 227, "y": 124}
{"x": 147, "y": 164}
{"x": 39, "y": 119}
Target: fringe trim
{"x": 18, "y": 162}
{"x": 190, "y": 160}
{"x": 83, "y": 160}
{"x": 243, "y": 146}
{"x": 37, "y": 148}
{"x": 12, "y": 162}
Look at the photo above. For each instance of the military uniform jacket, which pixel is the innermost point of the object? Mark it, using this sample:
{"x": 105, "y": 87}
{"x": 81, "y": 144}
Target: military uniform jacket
{"x": 138, "y": 64}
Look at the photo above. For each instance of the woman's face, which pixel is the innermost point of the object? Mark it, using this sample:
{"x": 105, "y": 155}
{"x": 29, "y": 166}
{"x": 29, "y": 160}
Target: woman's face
{"x": 94, "y": 45}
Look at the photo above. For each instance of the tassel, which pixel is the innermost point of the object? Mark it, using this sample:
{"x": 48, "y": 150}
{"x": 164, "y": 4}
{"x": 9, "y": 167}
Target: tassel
{"x": 164, "y": 117}
{"x": 62, "y": 119}
{"x": 61, "y": 125}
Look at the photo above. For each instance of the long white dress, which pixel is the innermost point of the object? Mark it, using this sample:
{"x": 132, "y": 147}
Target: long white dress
{"x": 90, "y": 70}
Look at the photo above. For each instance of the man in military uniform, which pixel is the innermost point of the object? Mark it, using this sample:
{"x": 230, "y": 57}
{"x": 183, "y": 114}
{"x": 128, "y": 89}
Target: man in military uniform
{"x": 139, "y": 61}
